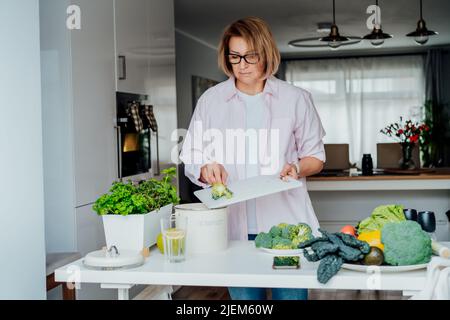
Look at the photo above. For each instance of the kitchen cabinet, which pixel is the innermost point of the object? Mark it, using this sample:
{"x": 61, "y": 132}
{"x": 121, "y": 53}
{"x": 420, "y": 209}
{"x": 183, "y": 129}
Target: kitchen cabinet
{"x": 78, "y": 97}
{"x": 93, "y": 91}
{"x": 90, "y": 233}
{"x": 132, "y": 32}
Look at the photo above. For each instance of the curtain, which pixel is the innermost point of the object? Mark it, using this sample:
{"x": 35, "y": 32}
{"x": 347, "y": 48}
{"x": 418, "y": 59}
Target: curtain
{"x": 438, "y": 114}
{"x": 357, "y": 97}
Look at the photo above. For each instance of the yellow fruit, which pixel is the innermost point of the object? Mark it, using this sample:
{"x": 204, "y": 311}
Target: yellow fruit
{"x": 373, "y": 238}
{"x": 160, "y": 242}
{"x": 174, "y": 236}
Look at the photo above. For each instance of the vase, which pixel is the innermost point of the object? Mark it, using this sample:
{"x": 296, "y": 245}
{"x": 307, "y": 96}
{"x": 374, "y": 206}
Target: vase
{"x": 406, "y": 162}
{"x": 136, "y": 231}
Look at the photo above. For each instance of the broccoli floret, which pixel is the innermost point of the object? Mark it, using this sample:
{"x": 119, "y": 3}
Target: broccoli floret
{"x": 289, "y": 232}
{"x": 219, "y": 190}
{"x": 302, "y": 239}
{"x": 263, "y": 240}
{"x": 304, "y": 229}
{"x": 275, "y": 231}
{"x": 304, "y": 234}
{"x": 280, "y": 243}
{"x": 405, "y": 243}
{"x": 282, "y": 225}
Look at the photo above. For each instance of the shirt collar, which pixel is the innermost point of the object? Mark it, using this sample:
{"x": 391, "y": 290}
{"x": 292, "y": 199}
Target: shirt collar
{"x": 271, "y": 87}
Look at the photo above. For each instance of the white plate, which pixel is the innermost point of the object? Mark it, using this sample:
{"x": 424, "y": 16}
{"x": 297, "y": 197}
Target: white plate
{"x": 281, "y": 253}
{"x": 383, "y": 269}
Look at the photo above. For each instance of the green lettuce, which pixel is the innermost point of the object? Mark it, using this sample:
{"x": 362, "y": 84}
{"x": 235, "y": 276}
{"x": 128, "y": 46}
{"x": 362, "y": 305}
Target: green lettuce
{"x": 380, "y": 216}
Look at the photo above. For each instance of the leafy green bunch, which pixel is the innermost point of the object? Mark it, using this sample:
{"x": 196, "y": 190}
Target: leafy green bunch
{"x": 126, "y": 198}
{"x": 161, "y": 192}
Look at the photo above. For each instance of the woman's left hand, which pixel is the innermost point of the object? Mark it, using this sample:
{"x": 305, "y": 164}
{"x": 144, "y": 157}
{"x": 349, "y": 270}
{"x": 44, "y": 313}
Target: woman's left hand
{"x": 289, "y": 170}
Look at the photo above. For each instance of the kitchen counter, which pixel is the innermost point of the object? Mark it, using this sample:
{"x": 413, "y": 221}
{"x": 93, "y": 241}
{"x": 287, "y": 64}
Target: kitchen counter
{"x": 424, "y": 176}
{"x": 425, "y": 181}
{"x": 241, "y": 265}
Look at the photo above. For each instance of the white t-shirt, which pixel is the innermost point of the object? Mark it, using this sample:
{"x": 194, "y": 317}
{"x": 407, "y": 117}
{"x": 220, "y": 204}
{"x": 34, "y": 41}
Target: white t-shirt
{"x": 254, "y": 106}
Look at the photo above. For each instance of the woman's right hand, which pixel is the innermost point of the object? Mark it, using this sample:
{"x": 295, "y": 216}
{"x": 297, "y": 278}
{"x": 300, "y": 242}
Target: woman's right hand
{"x": 213, "y": 173}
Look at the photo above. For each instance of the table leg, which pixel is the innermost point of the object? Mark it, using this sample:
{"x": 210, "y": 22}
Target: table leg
{"x": 123, "y": 290}
{"x": 123, "y": 294}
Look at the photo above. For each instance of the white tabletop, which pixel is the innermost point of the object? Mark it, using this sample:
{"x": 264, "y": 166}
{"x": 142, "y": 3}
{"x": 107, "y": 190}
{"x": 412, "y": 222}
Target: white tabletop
{"x": 241, "y": 265}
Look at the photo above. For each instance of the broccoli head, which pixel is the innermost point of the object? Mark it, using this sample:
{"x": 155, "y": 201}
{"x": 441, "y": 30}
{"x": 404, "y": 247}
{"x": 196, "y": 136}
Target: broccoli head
{"x": 275, "y": 231}
{"x": 280, "y": 243}
{"x": 405, "y": 243}
{"x": 289, "y": 232}
{"x": 263, "y": 240}
{"x": 219, "y": 190}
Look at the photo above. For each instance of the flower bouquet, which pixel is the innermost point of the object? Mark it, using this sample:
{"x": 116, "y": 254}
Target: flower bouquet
{"x": 407, "y": 134}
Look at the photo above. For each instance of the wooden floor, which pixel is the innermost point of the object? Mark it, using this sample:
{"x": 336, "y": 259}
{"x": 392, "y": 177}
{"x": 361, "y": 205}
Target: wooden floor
{"x": 213, "y": 293}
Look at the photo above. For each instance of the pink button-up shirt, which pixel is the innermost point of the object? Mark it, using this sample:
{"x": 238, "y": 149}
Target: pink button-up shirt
{"x": 290, "y": 111}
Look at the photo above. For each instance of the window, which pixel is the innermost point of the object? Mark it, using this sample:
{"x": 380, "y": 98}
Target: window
{"x": 356, "y": 97}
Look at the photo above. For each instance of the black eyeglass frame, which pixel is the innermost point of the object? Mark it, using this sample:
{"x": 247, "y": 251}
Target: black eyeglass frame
{"x": 243, "y": 57}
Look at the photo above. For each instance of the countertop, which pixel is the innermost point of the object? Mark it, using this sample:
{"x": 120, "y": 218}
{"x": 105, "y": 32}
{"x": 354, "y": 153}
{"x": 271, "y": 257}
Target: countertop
{"x": 423, "y": 176}
{"x": 240, "y": 265}
{"x": 437, "y": 180}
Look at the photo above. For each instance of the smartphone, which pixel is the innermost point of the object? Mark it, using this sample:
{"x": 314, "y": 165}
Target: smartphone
{"x": 288, "y": 262}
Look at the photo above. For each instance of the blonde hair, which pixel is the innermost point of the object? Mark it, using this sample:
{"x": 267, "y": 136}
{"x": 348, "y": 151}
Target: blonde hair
{"x": 258, "y": 36}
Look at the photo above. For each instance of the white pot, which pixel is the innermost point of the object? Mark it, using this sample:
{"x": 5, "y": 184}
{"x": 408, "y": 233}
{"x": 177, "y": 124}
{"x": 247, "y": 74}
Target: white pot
{"x": 134, "y": 232}
{"x": 207, "y": 229}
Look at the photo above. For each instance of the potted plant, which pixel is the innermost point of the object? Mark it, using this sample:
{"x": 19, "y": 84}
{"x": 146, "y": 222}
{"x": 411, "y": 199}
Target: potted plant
{"x": 131, "y": 213}
{"x": 407, "y": 134}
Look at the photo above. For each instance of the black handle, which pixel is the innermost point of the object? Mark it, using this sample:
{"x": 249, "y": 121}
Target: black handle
{"x": 123, "y": 61}
{"x": 119, "y": 152}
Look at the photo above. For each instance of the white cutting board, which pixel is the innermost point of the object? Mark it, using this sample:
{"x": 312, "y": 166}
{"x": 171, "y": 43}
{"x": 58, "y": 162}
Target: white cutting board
{"x": 248, "y": 189}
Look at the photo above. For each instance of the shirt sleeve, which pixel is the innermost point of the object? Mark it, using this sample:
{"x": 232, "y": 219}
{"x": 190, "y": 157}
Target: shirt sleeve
{"x": 192, "y": 150}
{"x": 309, "y": 131}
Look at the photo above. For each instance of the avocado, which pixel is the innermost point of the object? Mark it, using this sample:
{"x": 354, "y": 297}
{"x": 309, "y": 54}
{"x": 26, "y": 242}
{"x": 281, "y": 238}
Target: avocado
{"x": 375, "y": 257}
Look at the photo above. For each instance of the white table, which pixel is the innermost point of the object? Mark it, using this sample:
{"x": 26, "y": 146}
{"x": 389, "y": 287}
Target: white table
{"x": 241, "y": 265}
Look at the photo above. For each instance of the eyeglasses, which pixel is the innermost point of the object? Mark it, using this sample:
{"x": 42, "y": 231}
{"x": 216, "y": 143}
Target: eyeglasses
{"x": 251, "y": 58}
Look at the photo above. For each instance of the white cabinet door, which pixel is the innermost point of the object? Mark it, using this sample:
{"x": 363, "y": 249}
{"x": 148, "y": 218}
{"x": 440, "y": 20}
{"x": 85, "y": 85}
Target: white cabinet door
{"x": 132, "y": 44}
{"x": 94, "y": 101}
{"x": 90, "y": 234}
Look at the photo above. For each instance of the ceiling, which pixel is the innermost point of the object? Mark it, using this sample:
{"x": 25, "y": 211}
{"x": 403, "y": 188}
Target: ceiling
{"x": 292, "y": 19}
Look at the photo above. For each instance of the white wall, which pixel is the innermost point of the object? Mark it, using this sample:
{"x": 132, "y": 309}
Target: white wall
{"x": 22, "y": 266}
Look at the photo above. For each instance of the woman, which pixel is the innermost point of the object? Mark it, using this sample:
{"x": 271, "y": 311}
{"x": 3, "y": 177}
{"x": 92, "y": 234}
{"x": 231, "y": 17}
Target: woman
{"x": 286, "y": 122}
